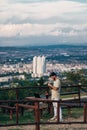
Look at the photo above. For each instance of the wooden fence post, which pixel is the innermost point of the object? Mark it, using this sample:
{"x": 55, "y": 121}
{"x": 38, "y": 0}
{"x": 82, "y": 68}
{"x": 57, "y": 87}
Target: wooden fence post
{"x": 79, "y": 93}
{"x": 58, "y": 111}
{"x": 16, "y": 94}
{"x": 11, "y": 114}
{"x": 85, "y": 112}
{"x": 37, "y": 115}
{"x": 17, "y": 113}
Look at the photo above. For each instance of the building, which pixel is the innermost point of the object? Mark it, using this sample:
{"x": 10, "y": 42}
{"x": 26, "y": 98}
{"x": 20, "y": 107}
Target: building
{"x": 39, "y": 66}
{"x": 34, "y": 67}
{"x": 10, "y": 78}
{"x": 43, "y": 64}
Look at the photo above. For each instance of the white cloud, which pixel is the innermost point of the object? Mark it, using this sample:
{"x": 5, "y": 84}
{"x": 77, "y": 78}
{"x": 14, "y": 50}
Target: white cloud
{"x": 40, "y": 10}
{"x": 58, "y": 18}
{"x": 25, "y": 30}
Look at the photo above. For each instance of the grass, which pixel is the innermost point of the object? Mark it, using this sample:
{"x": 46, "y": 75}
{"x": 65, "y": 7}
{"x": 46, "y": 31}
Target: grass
{"x": 28, "y": 116}
{"x": 75, "y": 112}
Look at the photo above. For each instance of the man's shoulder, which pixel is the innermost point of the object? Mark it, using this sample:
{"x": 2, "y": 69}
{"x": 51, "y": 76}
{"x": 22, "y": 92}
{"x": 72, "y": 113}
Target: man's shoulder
{"x": 58, "y": 79}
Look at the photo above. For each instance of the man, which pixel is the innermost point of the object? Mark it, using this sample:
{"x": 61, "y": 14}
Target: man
{"x": 55, "y": 93}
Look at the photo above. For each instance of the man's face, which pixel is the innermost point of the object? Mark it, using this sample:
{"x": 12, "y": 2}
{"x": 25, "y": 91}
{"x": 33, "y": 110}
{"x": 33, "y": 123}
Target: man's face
{"x": 53, "y": 77}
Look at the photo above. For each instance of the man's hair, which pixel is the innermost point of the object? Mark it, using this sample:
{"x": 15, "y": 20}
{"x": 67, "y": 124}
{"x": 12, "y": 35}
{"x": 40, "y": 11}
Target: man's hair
{"x": 53, "y": 74}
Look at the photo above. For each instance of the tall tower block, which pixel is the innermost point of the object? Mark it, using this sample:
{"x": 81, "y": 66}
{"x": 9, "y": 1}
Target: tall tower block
{"x": 39, "y": 66}
{"x": 43, "y": 64}
{"x": 34, "y": 66}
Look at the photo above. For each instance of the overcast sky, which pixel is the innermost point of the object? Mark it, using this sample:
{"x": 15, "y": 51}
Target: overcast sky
{"x": 38, "y": 22}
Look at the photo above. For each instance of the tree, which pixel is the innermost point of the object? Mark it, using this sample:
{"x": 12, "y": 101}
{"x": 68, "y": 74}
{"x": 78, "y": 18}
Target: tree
{"x": 74, "y": 77}
{"x": 41, "y": 81}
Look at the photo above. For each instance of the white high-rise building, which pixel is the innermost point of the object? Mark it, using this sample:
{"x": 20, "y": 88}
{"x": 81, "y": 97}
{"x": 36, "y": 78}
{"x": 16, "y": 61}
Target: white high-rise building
{"x": 39, "y": 66}
{"x": 43, "y": 64}
{"x": 34, "y": 66}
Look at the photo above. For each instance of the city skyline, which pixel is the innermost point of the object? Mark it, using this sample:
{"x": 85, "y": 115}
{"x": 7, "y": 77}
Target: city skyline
{"x": 43, "y": 22}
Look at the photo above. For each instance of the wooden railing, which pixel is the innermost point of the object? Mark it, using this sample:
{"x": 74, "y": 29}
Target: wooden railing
{"x": 37, "y": 122}
{"x": 79, "y": 88}
{"x": 36, "y": 108}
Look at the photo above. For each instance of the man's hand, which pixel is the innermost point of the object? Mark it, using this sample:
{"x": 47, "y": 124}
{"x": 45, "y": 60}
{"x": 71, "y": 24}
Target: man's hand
{"x": 49, "y": 85}
{"x": 52, "y": 87}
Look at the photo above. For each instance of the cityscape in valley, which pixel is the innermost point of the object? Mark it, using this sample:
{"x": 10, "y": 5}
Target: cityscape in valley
{"x": 15, "y": 61}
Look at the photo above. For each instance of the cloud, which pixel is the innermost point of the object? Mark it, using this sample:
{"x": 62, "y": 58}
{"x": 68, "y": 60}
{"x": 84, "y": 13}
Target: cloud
{"x": 17, "y": 12}
{"x": 65, "y": 20}
{"x": 25, "y": 30}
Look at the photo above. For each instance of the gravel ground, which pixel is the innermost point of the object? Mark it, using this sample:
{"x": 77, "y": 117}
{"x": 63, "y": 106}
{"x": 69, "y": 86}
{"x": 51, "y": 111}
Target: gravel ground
{"x": 48, "y": 127}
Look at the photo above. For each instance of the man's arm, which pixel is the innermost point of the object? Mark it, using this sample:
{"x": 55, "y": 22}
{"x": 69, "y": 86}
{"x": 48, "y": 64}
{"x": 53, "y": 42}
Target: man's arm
{"x": 52, "y": 87}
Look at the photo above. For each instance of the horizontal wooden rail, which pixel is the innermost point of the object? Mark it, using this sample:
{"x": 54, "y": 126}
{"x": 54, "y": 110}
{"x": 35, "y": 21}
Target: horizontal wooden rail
{"x": 41, "y": 100}
{"x": 26, "y": 106}
{"x": 69, "y": 93}
{"x": 11, "y": 109}
{"x": 40, "y": 87}
{"x": 8, "y": 107}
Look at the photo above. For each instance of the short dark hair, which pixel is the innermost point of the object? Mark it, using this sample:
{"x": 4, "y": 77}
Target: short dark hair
{"x": 53, "y": 74}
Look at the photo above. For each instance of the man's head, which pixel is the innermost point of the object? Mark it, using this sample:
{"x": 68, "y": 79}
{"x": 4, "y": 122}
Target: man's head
{"x": 53, "y": 75}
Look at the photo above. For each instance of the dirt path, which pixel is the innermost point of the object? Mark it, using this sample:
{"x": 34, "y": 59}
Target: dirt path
{"x": 48, "y": 127}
